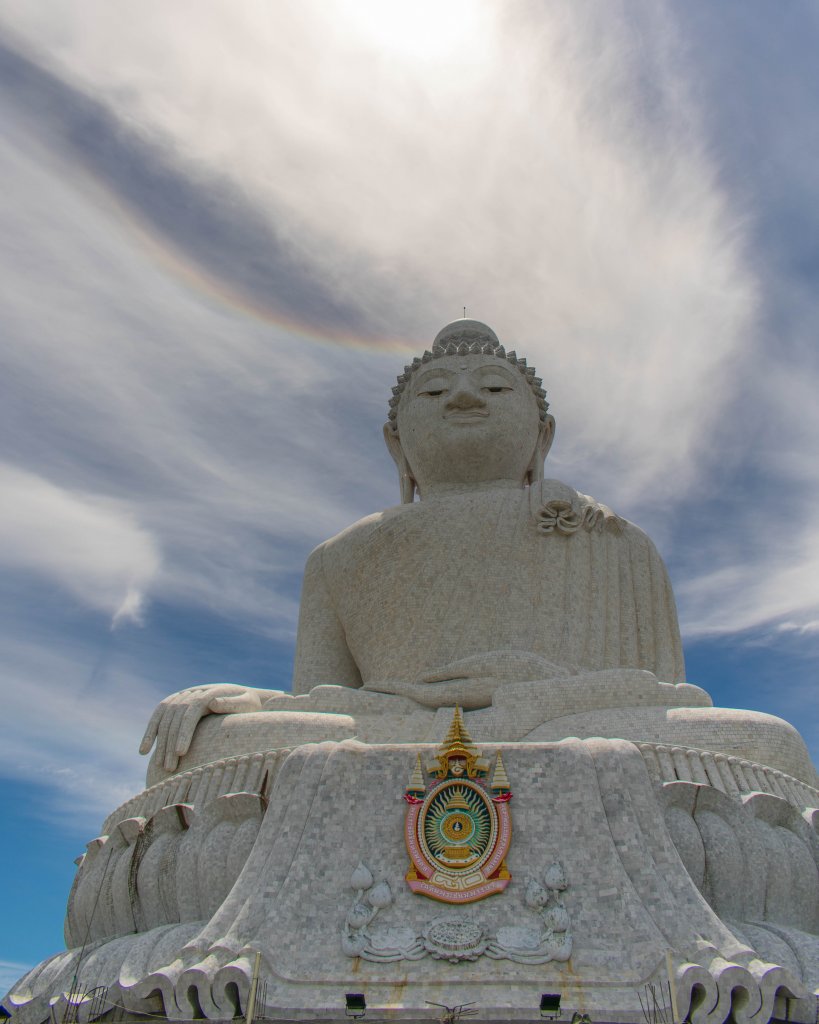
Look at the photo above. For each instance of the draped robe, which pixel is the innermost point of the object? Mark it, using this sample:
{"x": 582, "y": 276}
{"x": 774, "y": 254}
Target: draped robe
{"x": 543, "y": 570}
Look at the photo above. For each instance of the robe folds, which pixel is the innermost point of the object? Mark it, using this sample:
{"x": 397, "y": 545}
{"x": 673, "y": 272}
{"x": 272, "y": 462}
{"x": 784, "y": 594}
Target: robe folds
{"x": 544, "y": 571}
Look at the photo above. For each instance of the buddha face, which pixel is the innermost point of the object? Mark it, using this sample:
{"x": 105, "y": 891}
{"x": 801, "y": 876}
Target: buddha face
{"x": 466, "y": 420}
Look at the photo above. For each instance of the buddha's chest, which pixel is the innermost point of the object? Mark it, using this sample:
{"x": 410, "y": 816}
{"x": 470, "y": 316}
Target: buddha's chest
{"x": 449, "y": 546}
{"x": 446, "y": 582}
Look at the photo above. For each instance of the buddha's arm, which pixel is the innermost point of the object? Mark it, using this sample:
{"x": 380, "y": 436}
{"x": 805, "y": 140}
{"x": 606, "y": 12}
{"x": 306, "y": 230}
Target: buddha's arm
{"x": 656, "y": 640}
{"x": 322, "y": 654}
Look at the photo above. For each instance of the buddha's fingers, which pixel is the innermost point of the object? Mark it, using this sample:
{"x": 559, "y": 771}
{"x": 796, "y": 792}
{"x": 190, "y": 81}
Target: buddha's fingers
{"x": 174, "y": 721}
{"x": 185, "y": 724}
{"x": 168, "y": 727}
{"x": 159, "y": 724}
{"x": 152, "y": 729}
{"x": 235, "y": 704}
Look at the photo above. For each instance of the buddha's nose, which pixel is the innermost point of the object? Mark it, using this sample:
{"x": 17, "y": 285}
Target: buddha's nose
{"x": 465, "y": 396}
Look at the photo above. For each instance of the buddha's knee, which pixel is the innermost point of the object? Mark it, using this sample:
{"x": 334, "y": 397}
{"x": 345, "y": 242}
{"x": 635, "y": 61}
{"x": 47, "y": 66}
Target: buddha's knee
{"x": 750, "y": 735}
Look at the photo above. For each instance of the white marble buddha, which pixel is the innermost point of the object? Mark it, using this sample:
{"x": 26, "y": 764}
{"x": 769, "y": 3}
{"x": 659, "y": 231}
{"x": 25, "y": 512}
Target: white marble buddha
{"x": 532, "y": 606}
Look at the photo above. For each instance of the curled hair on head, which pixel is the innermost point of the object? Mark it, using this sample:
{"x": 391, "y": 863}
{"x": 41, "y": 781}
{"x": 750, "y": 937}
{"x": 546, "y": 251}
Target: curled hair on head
{"x": 467, "y": 341}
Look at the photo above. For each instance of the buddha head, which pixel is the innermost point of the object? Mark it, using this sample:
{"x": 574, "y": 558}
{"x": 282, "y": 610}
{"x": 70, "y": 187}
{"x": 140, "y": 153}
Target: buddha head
{"x": 467, "y": 414}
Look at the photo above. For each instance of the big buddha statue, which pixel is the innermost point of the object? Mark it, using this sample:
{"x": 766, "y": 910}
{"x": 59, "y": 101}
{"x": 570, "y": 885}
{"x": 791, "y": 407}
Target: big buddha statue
{"x": 321, "y": 841}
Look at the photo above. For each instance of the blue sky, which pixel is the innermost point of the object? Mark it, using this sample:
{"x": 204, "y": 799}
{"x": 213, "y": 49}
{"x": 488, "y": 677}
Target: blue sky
{"x": 223, "y": 231}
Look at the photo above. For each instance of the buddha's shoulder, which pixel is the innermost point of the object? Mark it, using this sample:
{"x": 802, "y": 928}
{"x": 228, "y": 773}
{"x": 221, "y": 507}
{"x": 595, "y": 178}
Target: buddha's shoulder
{"x": 360, "y": 534}
{"x": 550, "y": 506}
{"x": 544, "y": 499}
{"x": 432, "y": 521}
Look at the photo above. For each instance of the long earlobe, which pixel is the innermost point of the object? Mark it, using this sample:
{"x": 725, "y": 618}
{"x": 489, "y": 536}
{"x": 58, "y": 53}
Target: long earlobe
{"x": 405, "y": 477}
{"x": 534, "y": 473}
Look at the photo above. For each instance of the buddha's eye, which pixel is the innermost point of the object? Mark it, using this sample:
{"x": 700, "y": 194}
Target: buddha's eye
{"x": 495, "y": 383}
{"x": 432, "y": 392}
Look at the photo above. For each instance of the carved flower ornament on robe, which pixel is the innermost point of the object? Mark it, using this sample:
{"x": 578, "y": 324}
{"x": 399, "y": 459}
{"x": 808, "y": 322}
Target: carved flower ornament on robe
{"x": 559, "y": 515}
{"x": 567, "y": 517}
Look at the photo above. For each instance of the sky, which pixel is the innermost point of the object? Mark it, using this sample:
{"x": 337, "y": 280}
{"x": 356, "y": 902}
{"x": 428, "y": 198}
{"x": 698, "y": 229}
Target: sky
{"x": 223, "y": 231}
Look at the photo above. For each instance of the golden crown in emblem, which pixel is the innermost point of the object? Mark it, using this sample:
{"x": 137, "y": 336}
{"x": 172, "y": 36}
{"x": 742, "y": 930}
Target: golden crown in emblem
{"x": 457, "y": 802}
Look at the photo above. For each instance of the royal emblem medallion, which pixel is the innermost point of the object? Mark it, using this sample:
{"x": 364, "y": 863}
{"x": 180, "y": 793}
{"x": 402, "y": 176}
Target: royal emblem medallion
{"x": 457, "y": 829}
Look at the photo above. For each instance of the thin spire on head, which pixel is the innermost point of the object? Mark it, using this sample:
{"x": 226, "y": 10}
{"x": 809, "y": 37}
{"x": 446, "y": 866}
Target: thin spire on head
{"x": 465, "y": 337}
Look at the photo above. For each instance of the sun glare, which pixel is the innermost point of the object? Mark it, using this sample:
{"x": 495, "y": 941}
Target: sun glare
{"x": 421, "y": 30}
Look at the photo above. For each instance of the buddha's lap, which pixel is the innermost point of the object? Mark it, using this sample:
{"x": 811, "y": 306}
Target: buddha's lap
{"x": 754, "y": 736}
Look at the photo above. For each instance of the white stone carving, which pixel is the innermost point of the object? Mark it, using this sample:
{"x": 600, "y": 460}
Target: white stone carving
{"x": 454, "y": 937}
{"x": 567, "y": 516}
{"x": 552, "y": 940}
{"x": 384, "y": 945}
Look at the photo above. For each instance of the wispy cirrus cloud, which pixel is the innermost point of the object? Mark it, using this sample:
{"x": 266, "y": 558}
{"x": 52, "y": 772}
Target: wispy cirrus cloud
{"x": 91, "y": 547}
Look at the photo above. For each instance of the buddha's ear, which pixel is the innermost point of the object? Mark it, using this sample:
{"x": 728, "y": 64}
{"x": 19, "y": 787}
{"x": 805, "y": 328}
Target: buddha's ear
{"x": 545, "y": 436}
{"x": 405, "y": 477}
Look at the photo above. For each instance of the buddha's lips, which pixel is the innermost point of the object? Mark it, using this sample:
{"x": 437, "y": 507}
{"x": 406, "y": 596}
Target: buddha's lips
{"x": 466, "y": 414}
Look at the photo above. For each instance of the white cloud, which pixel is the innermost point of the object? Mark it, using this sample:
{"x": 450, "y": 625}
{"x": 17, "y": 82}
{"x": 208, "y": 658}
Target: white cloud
{"x": 149, "y": 422}
{"x": 804, "y": 628}
{"x": 91, "y": 546}
{"x": 778, "y": 582}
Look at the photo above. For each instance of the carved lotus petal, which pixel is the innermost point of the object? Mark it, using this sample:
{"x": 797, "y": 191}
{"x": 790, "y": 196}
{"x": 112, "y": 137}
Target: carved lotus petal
{"x": 380, "y": 896}
{"x": 358, "y": 915}
{"x": 353, "y": 945}
{"x": 555, "y": 877}
{"x": 536, "y": 896}
{"x": 361, "y": 877}
{"x": 556, "y": 918}
{"x": 559, "y": 945}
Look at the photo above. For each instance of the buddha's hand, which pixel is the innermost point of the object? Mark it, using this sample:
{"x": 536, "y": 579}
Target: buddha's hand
{"x": 174, "y": 721}
{"x": 471, "y": 682}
